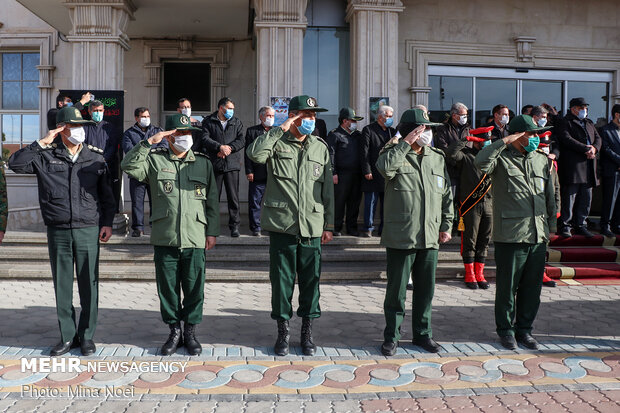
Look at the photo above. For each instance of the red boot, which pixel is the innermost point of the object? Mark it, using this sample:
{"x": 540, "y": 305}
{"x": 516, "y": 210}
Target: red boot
{"x": 479, "y": 271}
{"x": 548, "y": 281}
{"x": 470, "y": 278}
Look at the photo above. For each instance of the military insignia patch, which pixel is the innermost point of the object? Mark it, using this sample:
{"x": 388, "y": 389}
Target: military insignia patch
{"x": 198, "y": 191}
{"x": 311, "y": 102}
{"x": 425, "y": 115}
{"x": 168, "y": 187}
{"x": 184, "y": 120}
{"x": 316, "y": 171}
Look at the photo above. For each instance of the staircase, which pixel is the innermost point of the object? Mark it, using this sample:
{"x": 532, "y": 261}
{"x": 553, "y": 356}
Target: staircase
{"x": 24, "y": 255}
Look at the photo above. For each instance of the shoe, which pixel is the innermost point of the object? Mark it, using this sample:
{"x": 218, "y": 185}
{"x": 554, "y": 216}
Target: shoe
{"x": 508, "y": 342}
{"x": 175, "y": 339}
{"x": 527, "y": 340}
{"x": 550, "y": 283}
{"x": 354, "y": 233}
{"x": 256, "y": 233}
{"x": 479, "y": 271}
{"x": 192, "y": 345}
{"x": 234, "y": 233}
{"x": 61, "y": 348}
{"x": 307, "y": 346}
{"x": 427, "y": 344}
{"x": 583, "y": 231}
{"x": 337, "y": 233}
{"x": 565, "y": 232}
{"x": 606, "y": 232}
{"x": 88, "y": 347}
{"x": 470, "y": 277}
{"x": 366, "y": 234}
{"x": 410, "y": 286}
{"x": 388, "y": 348}
{"x": 136, "y": 233}
{"x": 281, "y": 346}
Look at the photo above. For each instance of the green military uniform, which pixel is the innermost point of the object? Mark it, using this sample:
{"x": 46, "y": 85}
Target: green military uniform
{"x": 185, "y": 211}
{"x": 4, "y": 205}
{"x": 298, "y": 206}
{"x": 418, "y": 206}
{"x": 523, "y": 214}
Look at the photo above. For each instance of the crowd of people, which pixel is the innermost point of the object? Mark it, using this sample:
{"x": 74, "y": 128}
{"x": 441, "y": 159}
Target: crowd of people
{"x": 509, "y": 181}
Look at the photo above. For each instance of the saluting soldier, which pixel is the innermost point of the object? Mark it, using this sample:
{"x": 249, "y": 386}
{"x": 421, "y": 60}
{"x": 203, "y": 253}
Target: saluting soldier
{"x": 419, "y": 213}
{"x": 475, "y": 205}
{"x": 185, "y": 221}
{"x": 77, "y": 205}
{"x": 298, "y": 212}
{"x": 523, "y": 214}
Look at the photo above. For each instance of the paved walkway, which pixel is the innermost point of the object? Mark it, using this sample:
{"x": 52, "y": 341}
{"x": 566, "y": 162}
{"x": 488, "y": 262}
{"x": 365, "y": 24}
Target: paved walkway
{"x": 578, "y": 367}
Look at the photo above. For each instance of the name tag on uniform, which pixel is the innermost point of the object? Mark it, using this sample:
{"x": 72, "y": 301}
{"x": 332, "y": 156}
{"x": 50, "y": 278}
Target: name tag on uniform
{"x": 440, "y": 182}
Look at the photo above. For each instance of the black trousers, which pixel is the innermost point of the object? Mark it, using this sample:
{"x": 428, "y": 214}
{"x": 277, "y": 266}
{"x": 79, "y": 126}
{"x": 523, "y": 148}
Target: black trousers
{"x": 138, "y": 190}
{"x": 610, "y": 213}
{"x": 256, "y": 190}
{"x": 348, "y": 195}
{"x": 576, "y": 200}
{"x": 231, "y": 184}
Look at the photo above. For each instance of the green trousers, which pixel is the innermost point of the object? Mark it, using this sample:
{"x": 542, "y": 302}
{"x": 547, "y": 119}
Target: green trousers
{"x": 79, "y": 249}
{"x": 518, "y": 284}
{"x": 291, "y": 256}
{"x": 421, "y": 264}
{"x": 179, "y": 270}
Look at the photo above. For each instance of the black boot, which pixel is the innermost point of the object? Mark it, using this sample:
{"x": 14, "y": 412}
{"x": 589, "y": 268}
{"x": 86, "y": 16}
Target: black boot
{"x": 307, "y": 346}
{"x": 175, "y": 340}
{"x": 192, "y": 345}
{"x": 281, "y": 346}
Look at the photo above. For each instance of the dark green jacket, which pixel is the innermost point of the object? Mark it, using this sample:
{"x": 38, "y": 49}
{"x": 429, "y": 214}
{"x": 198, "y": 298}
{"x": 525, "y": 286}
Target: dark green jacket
{"x": 299, "y": 195}
{"x": 418, "y": 199}
{"x": 185, "y": 203}
{"x": 523, "y": 194}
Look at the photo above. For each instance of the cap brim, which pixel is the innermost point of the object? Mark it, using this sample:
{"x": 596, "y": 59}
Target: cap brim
{"x": 316, "y": 109}
{"x": 431, "y": 124}
{"x": 357, "y": 118}
{"x": 186, "y": 128}
{"x": 80, "y": 122}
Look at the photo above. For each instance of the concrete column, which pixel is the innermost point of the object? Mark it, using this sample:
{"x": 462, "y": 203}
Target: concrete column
{"x": 279, "y": 27}
{"x": 99, "y": 41}
{"x": 374, "y": 51}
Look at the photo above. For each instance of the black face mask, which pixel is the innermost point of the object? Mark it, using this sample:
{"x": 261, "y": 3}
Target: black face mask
{"x": 405, "y": 128}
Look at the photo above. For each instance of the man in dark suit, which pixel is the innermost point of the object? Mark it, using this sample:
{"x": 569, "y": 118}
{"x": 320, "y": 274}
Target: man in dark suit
{"x": 256, "y": 172}
{"x": 374, "y": 137}
{"x": 579, "y": 143}
{"x": 610, "y": 166}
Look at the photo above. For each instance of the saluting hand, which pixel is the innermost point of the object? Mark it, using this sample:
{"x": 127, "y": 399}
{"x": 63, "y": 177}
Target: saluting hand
{"x": 210, "y": 242}
{"x": 287, "y": 123}
{"x": 159, "y": 136}
{"x": 511, "y": 138}
{"x": 414, "y": 134}
{"x": 444, "y": 237}
{"x": 49, "y": 138}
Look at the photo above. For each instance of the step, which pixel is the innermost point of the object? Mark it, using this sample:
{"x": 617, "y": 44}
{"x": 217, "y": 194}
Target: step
{"x": 581, "y": 241}
{"x": 566, "y": 270}
{"x": 582, "y": 254}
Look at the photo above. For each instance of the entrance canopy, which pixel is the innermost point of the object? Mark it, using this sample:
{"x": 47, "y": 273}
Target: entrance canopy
{"x": 160, "y": 18}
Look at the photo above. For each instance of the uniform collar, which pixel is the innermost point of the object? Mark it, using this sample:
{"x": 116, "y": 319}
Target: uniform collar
{"x": 189, "y": 156}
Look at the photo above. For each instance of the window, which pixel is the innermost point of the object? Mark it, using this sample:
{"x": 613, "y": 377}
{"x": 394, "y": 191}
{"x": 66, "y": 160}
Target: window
{"x": 482, "y": 88}
{"x": 191, "y": 80}
{"x": 19, "y": 107}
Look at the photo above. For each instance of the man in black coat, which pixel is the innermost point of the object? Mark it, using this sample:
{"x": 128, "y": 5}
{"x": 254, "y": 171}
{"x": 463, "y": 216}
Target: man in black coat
{"x": 344, "y": 143}
{"x": 223, "y": 142}
{"x": 77, "y": 206}
{"x": 579, "y": 143}
{"x": 455, "y": 129}
{"x": 374, "y": 137}
{"x": 257, "y": 172}
{"x": 141, "y": 130}
{"x": 501, "y": 117}
{"x": 610, "y": 167}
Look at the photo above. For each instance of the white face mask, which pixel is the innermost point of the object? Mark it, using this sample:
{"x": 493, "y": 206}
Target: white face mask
{"x": 353, "y": 126}
{"x": 187, "y": 112}
{"x": 583, "y": 113}
{"x": 269, "y": 122}
{"x": 462, "y": 120}
{"x": 144, "y": 122}
{"x": 545, "y": 149}
{"x": 78, "y": 135}
{"x": 183, "y": 143}
{"x": 425, "y": 138}
{"x": 542, "y": 122}
{"x": 504, "y": 120}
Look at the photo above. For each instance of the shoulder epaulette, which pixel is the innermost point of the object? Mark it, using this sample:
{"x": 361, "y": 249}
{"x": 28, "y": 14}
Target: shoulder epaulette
{"x": 392, "y": 141}
{"x": 201, "y": 154}
{"x": 439, "y": 151}
{"x": 160, "y": 149}
{"x": 95, "y": 149}
{"x": 318, "y": 138}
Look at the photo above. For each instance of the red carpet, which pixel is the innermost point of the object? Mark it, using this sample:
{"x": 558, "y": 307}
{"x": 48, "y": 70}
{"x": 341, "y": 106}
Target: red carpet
{"x": 581, "y": 241}
{"x": 582, "y": 254}
{"x": 583, "y": 270}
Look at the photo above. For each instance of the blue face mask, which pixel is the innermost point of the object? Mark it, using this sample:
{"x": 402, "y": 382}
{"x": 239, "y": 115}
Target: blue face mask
{"x": 229, "y": 113}
{"x": 69, "y": 104}
{"x": 389, "y": 122}
{"x": 306, "y": 127}
{"x": 97, "y": 116}
{"x": 532, "y": 144}
{"x": 486, "y": 143}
